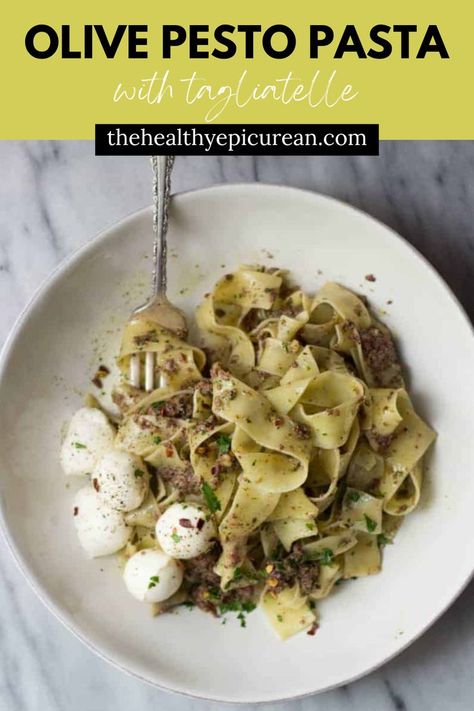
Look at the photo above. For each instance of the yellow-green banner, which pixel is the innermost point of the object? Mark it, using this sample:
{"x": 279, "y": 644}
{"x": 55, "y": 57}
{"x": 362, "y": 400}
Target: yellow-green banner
{"x": 404, "y": 65}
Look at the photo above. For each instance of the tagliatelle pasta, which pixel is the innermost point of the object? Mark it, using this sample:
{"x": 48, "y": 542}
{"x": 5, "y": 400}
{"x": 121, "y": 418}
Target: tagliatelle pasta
{"x": 289, "y": 432}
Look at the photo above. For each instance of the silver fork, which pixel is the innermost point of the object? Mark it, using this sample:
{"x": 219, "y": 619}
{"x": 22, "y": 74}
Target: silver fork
{"x": 158, "y": 309}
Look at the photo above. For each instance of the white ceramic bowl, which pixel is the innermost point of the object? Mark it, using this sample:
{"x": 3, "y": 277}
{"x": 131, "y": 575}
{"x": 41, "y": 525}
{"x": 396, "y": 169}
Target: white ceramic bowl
{"x": 74, "y": 323}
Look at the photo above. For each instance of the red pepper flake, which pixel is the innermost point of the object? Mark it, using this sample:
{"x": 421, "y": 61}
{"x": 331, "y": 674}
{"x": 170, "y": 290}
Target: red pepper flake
{"x": 185, "y": 523}
{"x": 101, "y": 373}
{"x": 313, "y": 629}
{"x": 370, "y": 277}
{"x": 200, "y": 524}
{"x": 95, "y": 484}
{"x": 169, "y": 452}
{"x": 76, "y": 510}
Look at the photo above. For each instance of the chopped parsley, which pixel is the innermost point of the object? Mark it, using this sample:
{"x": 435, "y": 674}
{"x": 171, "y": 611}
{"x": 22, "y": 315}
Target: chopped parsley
{"x": 310, "y": 526}
{"x": 242, "y": 609}
{"x": 248, "y": 606}
{"x": 280, "y": 618}
{"x": 354, "y": 496}
{"x": 188, "y": 603}
{"x": 236, "y": 606}
{"x": 175, "y": 537}
{"x": 229, "y": 607}
{"x": 158, "y": 405}
{"x": 213, "y": 503}
{"x": 139, "y": 473}
{"x": 238, "y": 575}
{"x": 154, "y": 580}
{"x": 326, "y": 556}
{"x": 382, "y": 539}
{"x": 79, "y": 445}
{"x": 157, "y": 439}
{"x": 370, "y": 523}
{"x": 223, "y": 443}
{"x": 215, "y": 593}
{"x": 241, "y": 618}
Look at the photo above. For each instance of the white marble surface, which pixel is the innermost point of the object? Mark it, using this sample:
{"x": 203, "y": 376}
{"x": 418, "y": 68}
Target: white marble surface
{"x": 56, "y": 195}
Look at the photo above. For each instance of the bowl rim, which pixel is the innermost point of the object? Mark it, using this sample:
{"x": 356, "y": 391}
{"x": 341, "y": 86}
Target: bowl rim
{"x": 67, "y": 263}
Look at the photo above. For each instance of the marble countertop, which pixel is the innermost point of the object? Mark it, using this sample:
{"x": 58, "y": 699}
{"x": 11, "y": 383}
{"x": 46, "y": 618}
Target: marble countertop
{"x": 56, "y": 195}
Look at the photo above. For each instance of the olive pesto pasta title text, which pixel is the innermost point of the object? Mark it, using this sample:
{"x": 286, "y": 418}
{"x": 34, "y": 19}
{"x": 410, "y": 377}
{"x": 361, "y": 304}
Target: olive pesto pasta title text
{"x": 278, "y": 41}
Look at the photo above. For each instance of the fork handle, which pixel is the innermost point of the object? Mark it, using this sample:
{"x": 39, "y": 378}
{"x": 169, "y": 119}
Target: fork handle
{"x": 162, "y": 167}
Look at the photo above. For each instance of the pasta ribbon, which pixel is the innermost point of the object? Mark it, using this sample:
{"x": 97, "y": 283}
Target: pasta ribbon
{"x": 288, "y": 611}
{"x": 363, "y": 559}
{"x": 282, "y": 464}
{"x": 294, "y": 518}
{"x": 297, "y": 438}
{"x": 223, "y": 310}
{"x": 329, "y": 407}
{"x": 176, "y": 361}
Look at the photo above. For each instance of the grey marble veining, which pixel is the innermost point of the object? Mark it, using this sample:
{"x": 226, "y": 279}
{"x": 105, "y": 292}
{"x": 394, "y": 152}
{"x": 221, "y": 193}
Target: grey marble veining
{"x": 56, "y": 195}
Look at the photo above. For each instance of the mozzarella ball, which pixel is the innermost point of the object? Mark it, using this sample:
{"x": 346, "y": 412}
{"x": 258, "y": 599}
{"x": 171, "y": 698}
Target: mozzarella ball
{"x": 183, "y": 532}
{"x": 101, "y": 530}
{"x": 120, "y": 479}
{"x": 89, "y": 435}
{"x": 152, "y": 576}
